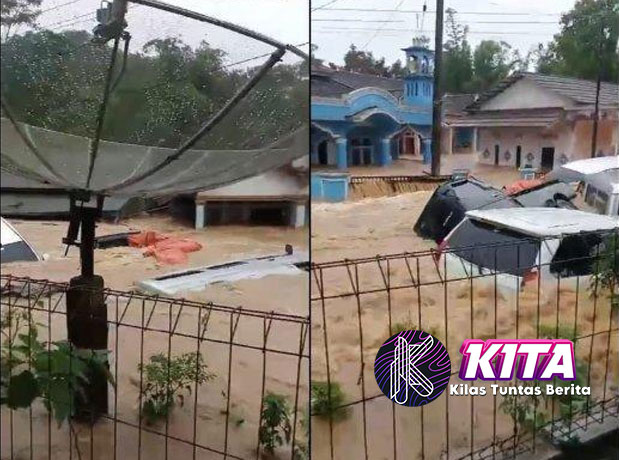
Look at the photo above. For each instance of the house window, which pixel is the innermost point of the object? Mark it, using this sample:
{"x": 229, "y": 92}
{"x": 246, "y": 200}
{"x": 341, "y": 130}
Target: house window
{"x": 361, "y": 151}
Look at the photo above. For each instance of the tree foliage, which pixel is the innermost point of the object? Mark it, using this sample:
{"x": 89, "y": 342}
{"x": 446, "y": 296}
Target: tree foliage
{"x": 457, "y": 58}
{"x": 168, "y": 90}
{"x": 18, "y": 12}
{"x": 586, "y": 44}
{"x": 360, "y": 61}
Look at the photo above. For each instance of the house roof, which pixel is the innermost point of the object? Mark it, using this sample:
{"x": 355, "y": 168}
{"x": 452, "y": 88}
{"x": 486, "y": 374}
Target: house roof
{"x": 454, "y": 104}
{"x": 335, "y": 83}
{"x": 282, "y": 184}
{"x": 545, "y": 222}
{"x": 580, "y": 91}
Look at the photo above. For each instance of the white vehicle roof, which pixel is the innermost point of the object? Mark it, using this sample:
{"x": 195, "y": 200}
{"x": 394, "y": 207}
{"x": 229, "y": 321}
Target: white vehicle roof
{"x": 593, "y": 165}
{"x": 8, "y": 234}
{"x": 21, "y": 249}
{"x": 543, "y": 222}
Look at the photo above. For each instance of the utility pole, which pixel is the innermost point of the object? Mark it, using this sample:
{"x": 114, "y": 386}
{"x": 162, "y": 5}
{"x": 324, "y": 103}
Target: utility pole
{"x": 596, "y": 113}
{"x": 437, "y": 95}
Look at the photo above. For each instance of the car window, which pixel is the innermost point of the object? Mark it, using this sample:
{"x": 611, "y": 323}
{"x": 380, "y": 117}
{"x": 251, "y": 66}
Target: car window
{"x": 492, "y": 248}
{"x": 576, "y": 254}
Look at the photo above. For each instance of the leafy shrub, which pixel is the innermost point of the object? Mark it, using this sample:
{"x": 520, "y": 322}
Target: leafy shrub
{"x": 56, "y": 372}
{"x": 605, "y": 275}
{"x": 406, "y": 325}
{"x": 328, "y": 405}
{"x": 165, "y": 381}
{"x": 275, "y": 426}
{"x": 564, "y": 331}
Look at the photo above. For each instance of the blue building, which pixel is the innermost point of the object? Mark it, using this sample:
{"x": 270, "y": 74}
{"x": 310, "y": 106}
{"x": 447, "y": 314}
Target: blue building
{"x": 360, "y": 119}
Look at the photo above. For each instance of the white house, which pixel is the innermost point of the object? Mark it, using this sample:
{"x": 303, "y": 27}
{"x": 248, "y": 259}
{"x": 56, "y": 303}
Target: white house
{"x": 541, "y": 120}
{"x": 276, "y": 197}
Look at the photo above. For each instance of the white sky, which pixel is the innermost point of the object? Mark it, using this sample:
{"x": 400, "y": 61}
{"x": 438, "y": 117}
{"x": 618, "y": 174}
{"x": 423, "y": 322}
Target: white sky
{"x": 283, "y": 20}
{"x": 538, "y": 24}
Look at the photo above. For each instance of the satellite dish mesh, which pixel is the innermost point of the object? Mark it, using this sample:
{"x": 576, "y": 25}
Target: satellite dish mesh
{"x": 178, "y": 102}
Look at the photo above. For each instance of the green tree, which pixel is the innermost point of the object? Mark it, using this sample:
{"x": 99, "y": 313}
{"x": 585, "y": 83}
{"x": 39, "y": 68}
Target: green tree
{"x": 168, "y": 90}
{"x": 491, "y": 63}
{"x": 356, "y": 60}
{"x": 457, "y": 60}
{"x": 18, "y": 12}
{"x": 587, "y": 42}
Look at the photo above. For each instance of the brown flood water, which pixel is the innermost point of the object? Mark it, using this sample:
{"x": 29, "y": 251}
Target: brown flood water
{"x": 121, "y": 267}
{"x": 467, "y": 309}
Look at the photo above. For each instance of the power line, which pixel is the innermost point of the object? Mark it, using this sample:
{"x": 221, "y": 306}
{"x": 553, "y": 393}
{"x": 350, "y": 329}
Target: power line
{"x": 460, "y": 22}
{"x": 361, "y": 29}
{"x": 73, "y": 21}
{"x": 58, "y": 6}
{"x": 480, "y": 13}
{"x": 357, "y": 20}
{"x": 324, "y": 5}
{"x": 62, "y": 22}
{"x": 381, "y": 28}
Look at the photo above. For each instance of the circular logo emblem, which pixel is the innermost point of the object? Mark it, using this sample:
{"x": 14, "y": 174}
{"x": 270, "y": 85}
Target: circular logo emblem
{"x": 412, "y": 368}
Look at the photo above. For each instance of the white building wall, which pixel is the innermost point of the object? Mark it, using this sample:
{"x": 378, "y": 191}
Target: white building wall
{"x": 571, "y": 141}
{"x": 525, "y": 94}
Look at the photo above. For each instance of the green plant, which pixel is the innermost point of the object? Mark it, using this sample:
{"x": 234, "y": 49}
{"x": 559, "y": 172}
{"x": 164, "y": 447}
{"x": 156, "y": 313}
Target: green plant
{"x": 275, "y": 426}
{"x": 301, "y": 447}
{"x": 528, "y": 414}
{"x": 56, "y": 371}
{"x": 564, "y": 331}
{"x": 165, "y": 381}
{"x": 524, "y": 411}
{"x": 327, "y": 400}
{"x": 605, "y": 275}
{"x": 406, "y": 325}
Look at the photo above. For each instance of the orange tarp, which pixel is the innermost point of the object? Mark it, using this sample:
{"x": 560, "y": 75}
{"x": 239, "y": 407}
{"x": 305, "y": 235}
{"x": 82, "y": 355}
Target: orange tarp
{"x": 521, "y": 185}
{"x": 166, "y": 249}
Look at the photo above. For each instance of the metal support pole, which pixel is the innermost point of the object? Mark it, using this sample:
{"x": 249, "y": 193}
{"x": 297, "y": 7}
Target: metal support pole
{"x": 87, "y": 327}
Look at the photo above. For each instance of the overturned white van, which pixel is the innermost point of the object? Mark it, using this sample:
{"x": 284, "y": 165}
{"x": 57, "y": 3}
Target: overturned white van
{"x": 600, "y": 178}
{"x": 521, "y": 245}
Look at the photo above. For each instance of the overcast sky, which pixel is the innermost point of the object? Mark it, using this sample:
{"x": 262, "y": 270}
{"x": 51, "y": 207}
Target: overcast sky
{"x": 521, "y": 23}
{"x": 283, "y": 20}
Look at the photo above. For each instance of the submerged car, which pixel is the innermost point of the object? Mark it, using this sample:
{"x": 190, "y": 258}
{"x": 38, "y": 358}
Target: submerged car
{"x": 600, "y": 179}
{"x": 449, "y": 203}
{"x": 526, "y": 244}
{"x": 14, "y": 247}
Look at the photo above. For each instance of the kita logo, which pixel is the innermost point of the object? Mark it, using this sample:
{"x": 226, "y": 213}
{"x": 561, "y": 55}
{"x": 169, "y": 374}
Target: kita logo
{"x": 412, "y": 368}
{"x": 521, "y": 356}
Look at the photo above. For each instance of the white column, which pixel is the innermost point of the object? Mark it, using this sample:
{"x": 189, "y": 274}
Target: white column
{"x": 297, "y": 216}
{"x": 450, "y": 148}
{"x": 474, "y": 143}
{"x": 200, "y": 216}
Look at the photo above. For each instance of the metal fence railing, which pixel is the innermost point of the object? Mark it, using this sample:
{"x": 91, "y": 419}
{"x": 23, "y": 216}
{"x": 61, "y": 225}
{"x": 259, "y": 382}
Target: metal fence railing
{"x": 184, "y": 379}
{"x": 357, "y": 304}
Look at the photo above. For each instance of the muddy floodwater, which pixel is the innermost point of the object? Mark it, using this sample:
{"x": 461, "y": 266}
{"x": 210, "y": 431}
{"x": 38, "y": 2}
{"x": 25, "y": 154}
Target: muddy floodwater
{"x": 242, "y": 367}
{"x": 362, "y": 304}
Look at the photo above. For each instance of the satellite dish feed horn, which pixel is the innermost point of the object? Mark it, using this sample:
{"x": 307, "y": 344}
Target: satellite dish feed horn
{"x": 111, "y": 18}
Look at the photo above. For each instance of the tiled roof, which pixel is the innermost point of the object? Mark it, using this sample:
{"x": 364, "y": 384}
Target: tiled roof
{"x": 580, "y": 91}
{"x": 454, "y": 104}
{"x": 335, "y": 83}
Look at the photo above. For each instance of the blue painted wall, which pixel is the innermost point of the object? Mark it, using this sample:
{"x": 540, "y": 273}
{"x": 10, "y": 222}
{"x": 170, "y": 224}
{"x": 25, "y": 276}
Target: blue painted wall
{"x": 377, "y": 115}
